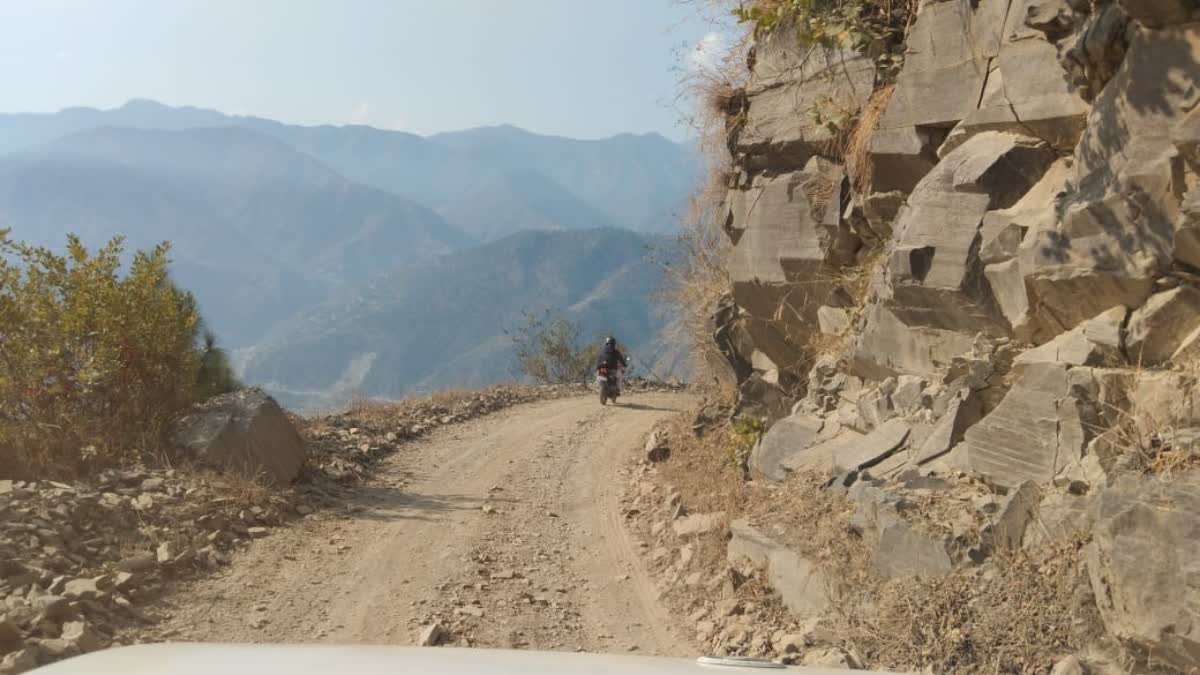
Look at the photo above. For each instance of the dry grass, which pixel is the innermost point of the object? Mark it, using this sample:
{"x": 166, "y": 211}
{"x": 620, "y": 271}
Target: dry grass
{"x": 703, "y": 468}
{"x": 858, "y": 147}
{"x": 1023, "y": 616}
{"x": 1153, "y": 436}
{"x": 240, "y": 489}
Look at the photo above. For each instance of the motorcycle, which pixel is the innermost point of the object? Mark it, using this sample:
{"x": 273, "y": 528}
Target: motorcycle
{"x": 609, "y": 381}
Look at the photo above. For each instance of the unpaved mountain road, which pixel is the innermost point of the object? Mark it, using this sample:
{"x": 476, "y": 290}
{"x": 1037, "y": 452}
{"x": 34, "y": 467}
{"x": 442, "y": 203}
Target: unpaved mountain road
{"x": 506, "y": 530}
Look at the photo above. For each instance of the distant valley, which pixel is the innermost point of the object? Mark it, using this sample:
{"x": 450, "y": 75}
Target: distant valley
{"x": 352, "y": 260}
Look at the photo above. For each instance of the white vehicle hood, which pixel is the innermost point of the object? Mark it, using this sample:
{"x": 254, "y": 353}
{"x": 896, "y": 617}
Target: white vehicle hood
{"x": 243, "y": 659}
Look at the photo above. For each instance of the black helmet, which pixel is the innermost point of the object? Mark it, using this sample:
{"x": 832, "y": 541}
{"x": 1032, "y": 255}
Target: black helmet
{"x": 610, "y": 341}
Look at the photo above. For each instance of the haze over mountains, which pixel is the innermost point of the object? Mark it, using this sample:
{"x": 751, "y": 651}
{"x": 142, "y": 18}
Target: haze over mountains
{"x": 310, "y": 248}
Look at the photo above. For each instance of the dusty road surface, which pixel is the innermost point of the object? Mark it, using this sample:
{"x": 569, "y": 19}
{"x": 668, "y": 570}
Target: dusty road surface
{"x": 506, "y": 530}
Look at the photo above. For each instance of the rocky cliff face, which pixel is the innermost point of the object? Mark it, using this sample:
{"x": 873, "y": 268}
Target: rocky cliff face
{"x": 1025, "y": 222}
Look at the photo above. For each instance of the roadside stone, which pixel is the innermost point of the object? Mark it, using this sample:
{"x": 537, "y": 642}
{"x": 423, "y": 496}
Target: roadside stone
{"x": 1035, "y": 430}
{"x": 833, "y": 320}
{"x": 1144, "y": 565}
{"x": 1068, "y": 666}
{"x": 698, "y": 523}
{"x": 830, "y": 657}
{"x": 791, "y": 644}
{"x": 799, "y": 581}
{"x": 1165, "y": 327}
{"x": 21, "y": 661}
{"x": 786, "y": 440}
{"x": 58, "y": 648}
{"x": 904, "y": 551}
{"x": 164, "y": 553}
{"x": 141, "y": 562}
{"x": 9, "y": 633}
{"x": 1016, "y": 510}
{"x": 656, "y": 448}
{"x": 52, "y": 606}
{"x": 82, "y": 635}
{"x": 86, "y": 589}
{"x": 244, "y": 430}
{"x": 867, "y": 451}
{"x": 432, "y": 635}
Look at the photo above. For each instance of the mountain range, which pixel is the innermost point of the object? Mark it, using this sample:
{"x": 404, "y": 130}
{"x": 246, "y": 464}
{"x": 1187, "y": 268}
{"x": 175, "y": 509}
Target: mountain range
{"x": 638, "y": 181}
{"x": 441, "y": 322}
{"x": 280, "y": 230}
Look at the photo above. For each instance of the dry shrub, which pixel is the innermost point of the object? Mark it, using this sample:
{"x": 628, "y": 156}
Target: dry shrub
{"x": 94, "y": 364}
{"x": 1142, "y": 443}
{"x": 1022, "y": 615}
{"x": 696, "y": 264}
{"x": 449, "y": 398}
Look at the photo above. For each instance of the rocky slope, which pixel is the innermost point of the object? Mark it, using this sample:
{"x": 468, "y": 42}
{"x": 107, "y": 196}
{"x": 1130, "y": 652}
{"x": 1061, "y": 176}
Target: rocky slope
{"x": 1024, "y": 221}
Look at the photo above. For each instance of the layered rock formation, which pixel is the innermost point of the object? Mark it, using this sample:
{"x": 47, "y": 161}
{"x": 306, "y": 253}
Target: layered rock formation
{"x": 1031, "y": 237}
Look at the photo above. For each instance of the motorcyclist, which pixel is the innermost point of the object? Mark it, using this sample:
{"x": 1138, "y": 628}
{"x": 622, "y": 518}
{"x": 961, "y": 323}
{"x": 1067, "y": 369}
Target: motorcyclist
{"x": 612, "y": 358}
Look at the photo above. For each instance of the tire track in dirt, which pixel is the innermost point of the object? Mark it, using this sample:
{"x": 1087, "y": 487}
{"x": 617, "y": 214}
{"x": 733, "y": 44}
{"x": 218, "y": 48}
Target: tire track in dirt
{"x": 547, "y": 564}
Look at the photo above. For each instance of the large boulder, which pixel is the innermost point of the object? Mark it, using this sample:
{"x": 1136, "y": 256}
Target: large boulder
{"x": 898, "y": 547}
{"x": 856, "y": 453}
{"x": 1144, "y": 565}
{"x": 245, "y": 431}
{"x": 935, "y": 271}
{"x": 1117, "y": 230}
{"x": 1026, "y": 90}
{"x": 799, "y": 581}
{"x": 949, "y": 48}
{"x": 1043, "y": 423}
{"x": 788, "y": 82}
{"x": 1096, "y": 342}
{"x": 787, "y": 438}
{"x": 785, "y": 229}
{"x": 887, "y": 346}
{"x": 1167, "y": 327}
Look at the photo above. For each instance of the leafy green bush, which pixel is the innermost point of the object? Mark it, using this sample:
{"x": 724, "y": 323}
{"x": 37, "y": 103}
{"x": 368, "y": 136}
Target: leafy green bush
{"x": 549, "y": 351}
{"x": 93, "y": 364}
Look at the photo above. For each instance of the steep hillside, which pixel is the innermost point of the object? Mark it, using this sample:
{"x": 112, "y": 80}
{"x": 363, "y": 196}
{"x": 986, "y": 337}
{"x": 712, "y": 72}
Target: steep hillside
{"x": 259, "y": 229}
{"x": 519, "y": 199}
{"x": 639, "y": 181}
{"x": 440, "y": 322}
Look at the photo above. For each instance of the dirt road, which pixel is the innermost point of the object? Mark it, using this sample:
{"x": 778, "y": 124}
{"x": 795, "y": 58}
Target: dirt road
{"x": 505, "y": 530}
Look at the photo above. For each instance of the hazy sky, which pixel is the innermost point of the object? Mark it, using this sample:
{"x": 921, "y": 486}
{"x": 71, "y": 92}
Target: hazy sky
{"x": 583, "y": 68}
